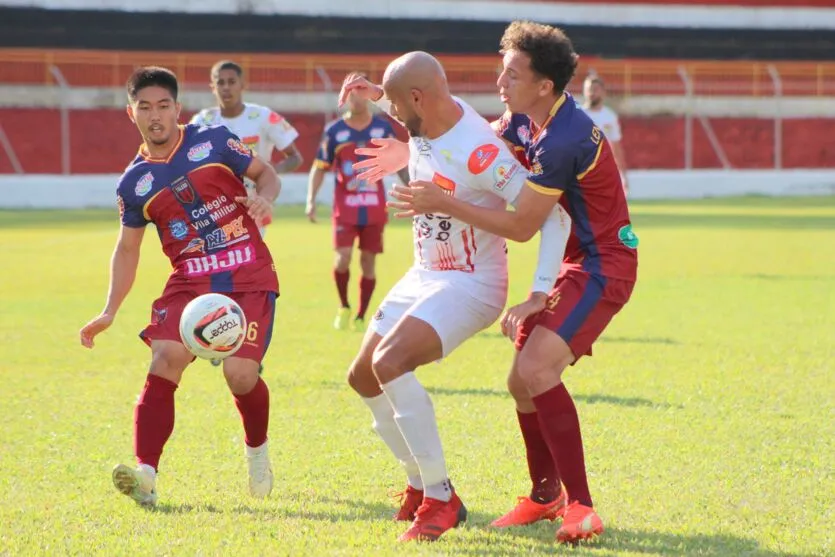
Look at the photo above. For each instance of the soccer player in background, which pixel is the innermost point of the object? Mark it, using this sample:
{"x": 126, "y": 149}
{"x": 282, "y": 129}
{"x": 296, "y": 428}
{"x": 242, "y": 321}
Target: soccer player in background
{"x": 359, "y": 207}
{"x": 594, "y": 96}
{"x": 457, "y": 285}
{"x": 187, "y": 181}
{"x": 258, "y": 127}
{"x": 571, "y": 164}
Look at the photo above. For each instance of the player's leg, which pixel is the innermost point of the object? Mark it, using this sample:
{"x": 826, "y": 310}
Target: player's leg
{"x": 154, "y": 411}
{"x": 582, "y": 305}
{"x": 547, "y": 500}
{"x": 362, "y": 380}
{"x": 435, "y": 325}
{"x": 252, "y": 397}
{"x": 343, "y": 240}
{"x": 370, "y": 245}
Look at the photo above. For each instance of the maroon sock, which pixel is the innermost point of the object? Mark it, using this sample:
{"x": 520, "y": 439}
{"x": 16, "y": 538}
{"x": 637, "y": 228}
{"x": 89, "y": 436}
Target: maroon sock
{"x": 254, "y": 408}
{"x": 561, "y": 429}
{"x": 366, "y": 290}
{"x": 341, "y": 279}
{"x": 153, "y": 419}
{"x": 545, "y": 481}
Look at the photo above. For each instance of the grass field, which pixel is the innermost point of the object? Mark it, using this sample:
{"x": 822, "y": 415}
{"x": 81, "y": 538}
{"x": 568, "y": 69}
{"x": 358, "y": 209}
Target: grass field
{"x": 708, "y": 409}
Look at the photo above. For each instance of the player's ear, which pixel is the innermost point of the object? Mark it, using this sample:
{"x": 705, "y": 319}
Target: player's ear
{"x": 179, "y": 108}
{"x": 546, "y": 87}
{"x": 129, "y": 110}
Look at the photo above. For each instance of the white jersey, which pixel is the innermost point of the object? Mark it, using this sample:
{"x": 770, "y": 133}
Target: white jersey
{"x": 607, "y": 120}
{"x": 472, "y": 164}
{"x": 258, "y": 127}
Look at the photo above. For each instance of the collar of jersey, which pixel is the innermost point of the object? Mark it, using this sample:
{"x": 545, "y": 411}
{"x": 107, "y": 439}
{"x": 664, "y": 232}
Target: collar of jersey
{"x": 551, "y": 113}
{"x": 143, "y": 149}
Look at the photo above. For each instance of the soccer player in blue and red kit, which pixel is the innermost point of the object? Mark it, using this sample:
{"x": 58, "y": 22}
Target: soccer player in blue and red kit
{"x": 359, "y": 206}
{"x": 571, "y": 163}
{"x": 187, "y": 181}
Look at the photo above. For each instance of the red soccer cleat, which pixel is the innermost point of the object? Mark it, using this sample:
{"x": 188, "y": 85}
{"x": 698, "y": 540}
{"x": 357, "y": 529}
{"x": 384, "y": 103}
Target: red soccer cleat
{"x": 528, "y": 511}
{"x": 410, "y": 501}
{"x": 434, "y": 517}
{"x": 579, "y": 523}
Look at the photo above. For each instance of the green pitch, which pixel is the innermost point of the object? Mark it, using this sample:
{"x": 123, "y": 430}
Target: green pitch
{"x": 708, "y": 409}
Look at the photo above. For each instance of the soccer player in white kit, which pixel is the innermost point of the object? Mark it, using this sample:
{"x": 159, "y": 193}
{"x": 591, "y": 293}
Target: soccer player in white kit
{"x": 594, "y": 96}
{"x": 457, "y": 285}
{"x": 258, "y": 127}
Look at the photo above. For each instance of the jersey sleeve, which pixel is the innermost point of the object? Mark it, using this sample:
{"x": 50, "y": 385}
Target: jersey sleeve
{"x": 131, "y": 210}
{"x": 233, "y": 152}
{"x": 326, "y": 151}
{"x": 553, "y": 168}
{"x": 505, "y": 176}
{"x": 280, "y": 132}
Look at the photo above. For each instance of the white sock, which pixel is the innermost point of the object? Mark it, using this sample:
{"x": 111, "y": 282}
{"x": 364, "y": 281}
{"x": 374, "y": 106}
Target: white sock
{"x": 387, "y": 429}
{"x": 149, "y": 469}
{"x": 415, "y": 417}
{"x": 255, "y": 451}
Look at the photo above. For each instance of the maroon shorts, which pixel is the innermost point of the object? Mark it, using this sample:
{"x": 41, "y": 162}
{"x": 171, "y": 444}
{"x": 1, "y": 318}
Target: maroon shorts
{"x": 258, "y": 307}
{"x": 370, "y": 235}
{"x": 579, "y": 308}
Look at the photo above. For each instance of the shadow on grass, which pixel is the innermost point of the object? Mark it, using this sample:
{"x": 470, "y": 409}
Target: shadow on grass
{"x": 184, "y": 508}
{"x": 798, "y": 278}
{"x": 632, "y": 402}
{"x": 619, "y": 340}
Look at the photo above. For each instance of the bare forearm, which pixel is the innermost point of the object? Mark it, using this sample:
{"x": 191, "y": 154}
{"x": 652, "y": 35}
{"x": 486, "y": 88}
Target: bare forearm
{"x": 507, "y": 224}
{"x": 268, "y": 186}
{"x": 290, "y": 163}
{"x": 123, "y": 267}
{"x": 314, "y": 183}
{"x": 620, "y": 156}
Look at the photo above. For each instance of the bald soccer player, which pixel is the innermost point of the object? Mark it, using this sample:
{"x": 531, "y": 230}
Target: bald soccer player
{"x": 457, "y": 285}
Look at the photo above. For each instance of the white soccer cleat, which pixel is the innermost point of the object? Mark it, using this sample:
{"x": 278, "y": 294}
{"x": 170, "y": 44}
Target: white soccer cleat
{"x": 137, "y": 483}
{"x": 260, "y": 472}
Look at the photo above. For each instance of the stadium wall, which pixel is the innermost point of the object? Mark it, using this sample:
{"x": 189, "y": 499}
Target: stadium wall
{"x": 98, "y": 191}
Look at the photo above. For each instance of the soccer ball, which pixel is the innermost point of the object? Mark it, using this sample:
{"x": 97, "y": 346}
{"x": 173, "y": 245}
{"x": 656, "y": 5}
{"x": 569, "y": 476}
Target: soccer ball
{"x": 213, "y": 326}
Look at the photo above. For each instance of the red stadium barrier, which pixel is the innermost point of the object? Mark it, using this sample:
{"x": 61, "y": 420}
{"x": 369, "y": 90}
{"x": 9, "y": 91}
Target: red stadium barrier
{"x": 104, "y": 141}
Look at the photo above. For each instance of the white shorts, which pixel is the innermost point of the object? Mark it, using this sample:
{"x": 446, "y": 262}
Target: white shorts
{"x": 444, "y": 300}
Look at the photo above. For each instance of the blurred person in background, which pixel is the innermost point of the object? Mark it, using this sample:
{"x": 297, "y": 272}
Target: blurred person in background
{"x": 359, "y": 206}
{"x": 260, "y": 129}
{"x": 594, "y": 97}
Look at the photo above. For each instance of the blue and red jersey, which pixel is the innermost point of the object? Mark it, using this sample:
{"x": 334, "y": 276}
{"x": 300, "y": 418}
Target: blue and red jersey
{"x": 569, "y": 155}
{"x": 212, "y": 243}
{"x": 355, "y": 202}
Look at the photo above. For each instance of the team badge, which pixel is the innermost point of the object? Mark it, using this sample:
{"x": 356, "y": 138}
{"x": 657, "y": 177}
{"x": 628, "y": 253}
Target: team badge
{"x": 183, "y": 191}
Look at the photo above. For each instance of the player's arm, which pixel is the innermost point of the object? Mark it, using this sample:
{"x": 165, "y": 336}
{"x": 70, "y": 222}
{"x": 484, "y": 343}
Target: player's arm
{"x": 293, "y": 159}
{"x": 267, "y": 188}
{"x": 123, "y": 265}
{"x": 615, "y": 137}
{"x": 314, "y": 184}
{"x": 284, "y": 136}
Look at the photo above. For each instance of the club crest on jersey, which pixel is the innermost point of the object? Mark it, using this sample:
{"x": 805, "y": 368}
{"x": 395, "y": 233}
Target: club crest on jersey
{"x": 536, "y": 167}
{"x": 275, "y": 118}
{"x": 481, "y": 159}
{"x": 144, "y": 184}
{"x": 503, "y": 173}
{"x": 178, "y": 228}
{"x": 183, "y": 191}
{"x": 342, "y": 135}
{"x": 445, "y": 183}
{"x": 199, "y": 152}
{"x": 237, "y": 146}
{"x": 524, "y": 134}
{"x": 159, "y": 315}
{"x": 377, "y": 132}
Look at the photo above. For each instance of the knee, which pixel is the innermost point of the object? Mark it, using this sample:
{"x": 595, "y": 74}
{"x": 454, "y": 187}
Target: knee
{"x": 362, "y": 381}
{"x": 387, "y": 365}
{"x": 367, "y": 260}
{"x": 343, "y": 261}
{"x": 241, "y": 377}
{"x": 516, "y": 387}
{"x": 168, "y": 366}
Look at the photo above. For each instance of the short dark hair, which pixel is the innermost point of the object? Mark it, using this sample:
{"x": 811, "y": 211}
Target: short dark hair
{"x": 596, "y": 79}
{"x": 551, "y": 52}
{"x": 149, "y": 76}
{"x": 226, "y": 65}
